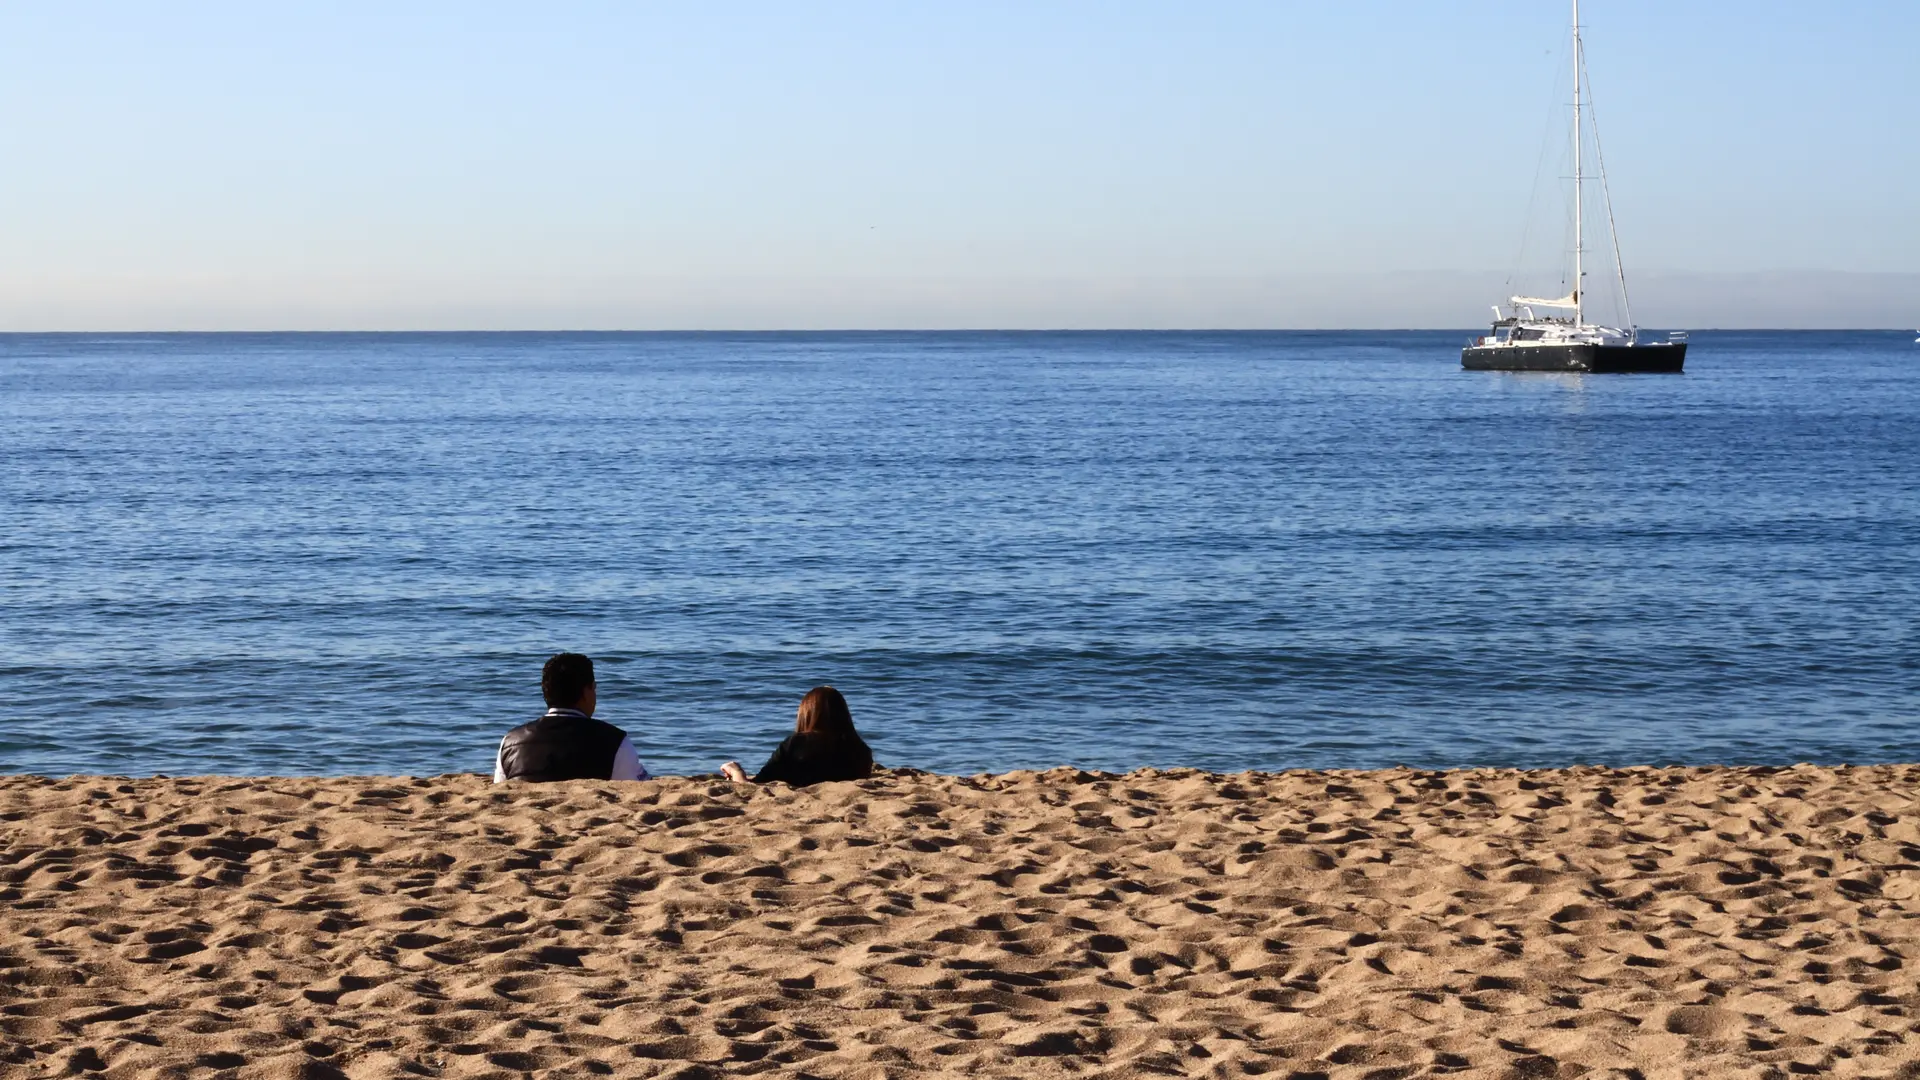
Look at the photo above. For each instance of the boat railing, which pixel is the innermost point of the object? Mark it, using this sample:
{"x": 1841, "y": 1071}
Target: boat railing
{"x": 1678, "y": 337}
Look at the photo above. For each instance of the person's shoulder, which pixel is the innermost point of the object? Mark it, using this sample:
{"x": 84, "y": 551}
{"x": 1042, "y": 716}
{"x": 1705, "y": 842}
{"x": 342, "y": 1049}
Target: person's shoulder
{"x": 591, "y": 723}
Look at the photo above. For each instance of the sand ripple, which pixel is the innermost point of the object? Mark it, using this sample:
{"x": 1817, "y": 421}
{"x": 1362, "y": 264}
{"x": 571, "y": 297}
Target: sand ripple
{"x": 1614, "y": 923}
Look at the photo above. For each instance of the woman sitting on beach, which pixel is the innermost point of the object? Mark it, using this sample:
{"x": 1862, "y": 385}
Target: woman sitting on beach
{"x": 823, "y": 746}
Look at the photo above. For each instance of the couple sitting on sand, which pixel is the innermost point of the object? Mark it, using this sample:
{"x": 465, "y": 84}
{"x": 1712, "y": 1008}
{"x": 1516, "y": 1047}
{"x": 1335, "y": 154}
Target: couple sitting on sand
{"x": 569, "y": 744}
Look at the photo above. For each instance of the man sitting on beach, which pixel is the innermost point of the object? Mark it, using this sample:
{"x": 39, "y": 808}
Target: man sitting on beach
{"x": 567, "y": 743}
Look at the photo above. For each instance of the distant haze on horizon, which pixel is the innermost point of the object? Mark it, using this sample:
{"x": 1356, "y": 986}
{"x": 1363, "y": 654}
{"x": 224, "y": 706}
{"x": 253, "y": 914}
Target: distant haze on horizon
{"x": 980, "y": 165}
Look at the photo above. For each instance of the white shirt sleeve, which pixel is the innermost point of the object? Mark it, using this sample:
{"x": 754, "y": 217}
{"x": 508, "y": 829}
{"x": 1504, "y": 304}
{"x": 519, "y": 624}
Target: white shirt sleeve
{"x": 626, "y": 763}
{"x": 500, "y": 763}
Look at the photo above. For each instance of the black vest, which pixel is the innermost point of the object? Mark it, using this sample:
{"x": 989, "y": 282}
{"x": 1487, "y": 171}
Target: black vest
{"x": 560, "y": 748}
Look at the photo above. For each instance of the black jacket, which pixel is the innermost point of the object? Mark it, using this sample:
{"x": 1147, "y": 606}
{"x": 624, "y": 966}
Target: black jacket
{"x": 813, "y": 758}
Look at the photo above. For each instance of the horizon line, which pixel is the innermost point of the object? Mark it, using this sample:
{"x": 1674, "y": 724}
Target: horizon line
{"x": 929, "y": 330}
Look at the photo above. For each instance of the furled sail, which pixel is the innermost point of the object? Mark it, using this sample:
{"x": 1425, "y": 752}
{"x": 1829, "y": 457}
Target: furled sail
{"x": 1569, "y": 300}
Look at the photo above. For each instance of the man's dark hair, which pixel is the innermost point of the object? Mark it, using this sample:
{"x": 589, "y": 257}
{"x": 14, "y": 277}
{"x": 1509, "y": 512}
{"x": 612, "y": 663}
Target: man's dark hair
{"x": 565, "y": 678}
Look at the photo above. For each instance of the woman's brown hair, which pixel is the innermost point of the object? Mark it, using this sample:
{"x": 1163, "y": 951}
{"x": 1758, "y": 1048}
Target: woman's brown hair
{"x": 823, "y": 711}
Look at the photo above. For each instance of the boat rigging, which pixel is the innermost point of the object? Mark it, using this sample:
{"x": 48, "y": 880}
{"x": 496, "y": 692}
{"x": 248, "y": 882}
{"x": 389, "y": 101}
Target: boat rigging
{"x": 1524, "y": 339}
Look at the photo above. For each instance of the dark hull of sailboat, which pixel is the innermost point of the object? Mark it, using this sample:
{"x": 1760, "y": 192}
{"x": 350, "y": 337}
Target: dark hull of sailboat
{"x": 1665, "y": 358}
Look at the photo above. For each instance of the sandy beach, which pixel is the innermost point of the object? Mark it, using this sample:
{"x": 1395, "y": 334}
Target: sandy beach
{"x": 1614, "y": 923}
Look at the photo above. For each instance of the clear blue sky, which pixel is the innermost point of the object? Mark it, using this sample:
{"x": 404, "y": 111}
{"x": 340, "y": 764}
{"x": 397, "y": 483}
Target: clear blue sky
{"x": 886, "y": 163}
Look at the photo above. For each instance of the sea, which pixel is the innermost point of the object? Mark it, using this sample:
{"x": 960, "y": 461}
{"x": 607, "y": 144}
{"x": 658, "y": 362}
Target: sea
{"x": 322, "y": 554}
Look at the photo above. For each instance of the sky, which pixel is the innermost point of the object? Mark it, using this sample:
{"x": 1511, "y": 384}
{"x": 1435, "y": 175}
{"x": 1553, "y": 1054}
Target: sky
{"x": 1041, "y": 163}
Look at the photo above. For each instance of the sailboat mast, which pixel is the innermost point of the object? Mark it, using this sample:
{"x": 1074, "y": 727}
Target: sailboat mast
{"x": 1579, "y": 279}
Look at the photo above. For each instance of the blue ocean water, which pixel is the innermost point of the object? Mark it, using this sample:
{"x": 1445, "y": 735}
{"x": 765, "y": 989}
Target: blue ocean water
{"x": 349, "y": 553}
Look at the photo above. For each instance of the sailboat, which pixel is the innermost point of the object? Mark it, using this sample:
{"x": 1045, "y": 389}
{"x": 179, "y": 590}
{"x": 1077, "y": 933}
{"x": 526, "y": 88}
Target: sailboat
{"x": 1553, "y": 334}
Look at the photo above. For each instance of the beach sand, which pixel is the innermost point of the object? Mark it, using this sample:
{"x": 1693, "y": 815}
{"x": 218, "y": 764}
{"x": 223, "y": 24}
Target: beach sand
{"x": 1585, "y": 922}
